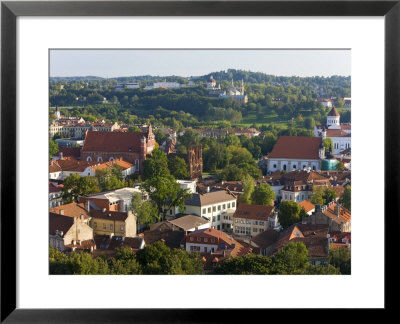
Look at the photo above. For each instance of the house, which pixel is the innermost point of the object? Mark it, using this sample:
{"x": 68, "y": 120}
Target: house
{"x": 55, "y": 194}
{"x": 335, "y": 216}
{"x": 209, "y": 240}
{"x": 113, "y": 200}
{"x": 298, "y": 185}
{"x": 62, "y": 168}
{"x": 264, "y": 242}
{"x": 340, "y": 240}
{"x": 314, "y": 237}
{"x": 308, "y": 206}
{"x": 296, "y": 153}
{"x": 190, "y": 223}
{"x": 109, "y": 222}
{"x": 249, "y": 220}
{"x": 211, "y": 205}
{"x": 167, "y": 233}
{"x": 107, "y": 146}
{"x": 126, "y": 168}
{"x": 339, "y": 133}
{"x": 67, "y": 231}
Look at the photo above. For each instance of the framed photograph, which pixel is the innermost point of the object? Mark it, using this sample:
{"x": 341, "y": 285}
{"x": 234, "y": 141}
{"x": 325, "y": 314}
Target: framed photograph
{"x": 223, "y": 51}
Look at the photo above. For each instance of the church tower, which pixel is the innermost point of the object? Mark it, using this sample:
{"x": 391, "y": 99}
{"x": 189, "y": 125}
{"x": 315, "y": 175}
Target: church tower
{"x": 57, "y": 113}
{"x": 333, "y": 119}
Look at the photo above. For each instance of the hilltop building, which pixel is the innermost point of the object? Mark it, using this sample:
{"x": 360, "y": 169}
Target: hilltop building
{"x": 339, "y": 133}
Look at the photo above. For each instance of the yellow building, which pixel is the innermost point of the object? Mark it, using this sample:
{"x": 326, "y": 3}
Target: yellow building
{"x": 113, "y": 222}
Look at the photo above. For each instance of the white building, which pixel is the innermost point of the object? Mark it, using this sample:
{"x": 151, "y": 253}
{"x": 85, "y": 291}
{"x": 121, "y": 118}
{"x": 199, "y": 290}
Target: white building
{"x": 296, "y": 153}
{"x": 211, "y": 205}
{"x": 188, "y": 184}
{"x": 339, "y": 134}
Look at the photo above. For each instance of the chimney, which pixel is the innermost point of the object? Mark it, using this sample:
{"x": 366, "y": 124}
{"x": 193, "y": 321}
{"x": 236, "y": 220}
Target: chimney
{"x": 337, "y": 210}
{"x": 104, "y": 210}
{"x": 208, "y": 189}
{"x": 87, "y": 206}
{"x": 61, "y": 211}
{"x": 82, "y": 217}
{"x": 61, "y": 156}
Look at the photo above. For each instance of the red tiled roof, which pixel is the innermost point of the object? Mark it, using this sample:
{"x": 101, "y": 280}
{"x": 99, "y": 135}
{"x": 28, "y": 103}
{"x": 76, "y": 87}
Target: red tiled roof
{"x": 336, "y": 133}
{"x": 112, "y": 215}
{"x": 112, "y": 141}
{"x": 258, "y": 212}
{"x": 71, "y": 164}
{"x": 71, "y": 210}
{"x": 333, "y": 112}
{"x": 296, "y": 147}
{"x": 69, "y": 152}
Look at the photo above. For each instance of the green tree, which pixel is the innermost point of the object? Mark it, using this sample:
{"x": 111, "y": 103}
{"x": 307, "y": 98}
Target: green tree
{"x": 263, "y": 195}
{"x": 145, "y": 211}
{"x": 341, "y": 259}
{"x": 317, "y": 196}
{"x": 157, "y": 258}
{"x": 155, "y": 165}
{"x": 53, "y": 148}
{"x": 190, "y": 137}
{"x": 309, "y": 123}
{"x": 247, "y": 264}
{"x": 328, "y": 143}
{"x": 329, "y": 195}
{"x": 231, "y": 139}
{"x": 124, "y": 262}
{"x": 292, "y": 258}
{"x": 75, "y": 186}
{"x": 110, "y": 179}
{"x": 248, "y": 188}
{"x": 178, "y": 168}
{"x": 345, "y": 200}
{"x": 340, "y": 166}
{"x": 289, "y": 213}
{"x": 166, "y": 193}
{"x": 322, "y": 270}
{"x": 134, "y": 129}
{"x": 233, "y": 173}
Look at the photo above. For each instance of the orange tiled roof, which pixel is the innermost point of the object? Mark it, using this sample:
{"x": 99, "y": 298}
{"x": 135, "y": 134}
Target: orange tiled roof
{"x": 343, "y": 217}
{"x": 333, "y": 112}
{"x": 307, "y": 205}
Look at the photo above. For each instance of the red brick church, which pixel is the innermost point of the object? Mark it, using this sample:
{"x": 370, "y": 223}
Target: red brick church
{"x": 107, "y": 146}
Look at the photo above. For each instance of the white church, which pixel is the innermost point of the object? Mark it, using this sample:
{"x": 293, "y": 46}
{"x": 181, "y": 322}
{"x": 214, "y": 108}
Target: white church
{"x": 340, "y": 134}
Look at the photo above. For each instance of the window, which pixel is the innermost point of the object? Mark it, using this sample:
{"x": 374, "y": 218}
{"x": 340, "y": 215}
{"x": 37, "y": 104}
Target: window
{"x": 198, "y": 239}
{"x": 254, "y": 229}
{"x": 261, "y": 223}
{"x": 233, "y": 204}
{"x": 170, "y": 211}
{"x": 223, "y": 206}
{"x": 218, "y": 227}
{"x": 219, "y": 207}
{"x": 219, "y": 217}
{"x": 205, "y": 239}
{"x": 214, "y": 208}
{"x": 95, "y": 225}
{"x": 274, "y": 166}
{"x": 204, "y": 211}
{"x": 229, "y": 205}
{"x": 111, "y": 227}
{"x": 209, "y": 210}
{"x": 213, "y": 219}
{"x": 104, "y": 226}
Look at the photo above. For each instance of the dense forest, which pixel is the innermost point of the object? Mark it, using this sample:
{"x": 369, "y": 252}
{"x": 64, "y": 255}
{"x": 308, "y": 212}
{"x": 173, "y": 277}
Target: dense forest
{"x": 270, "y": 99}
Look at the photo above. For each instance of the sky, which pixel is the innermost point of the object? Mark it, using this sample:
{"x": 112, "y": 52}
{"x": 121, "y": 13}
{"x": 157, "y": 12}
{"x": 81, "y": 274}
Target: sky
{"x": 185, "y": 63}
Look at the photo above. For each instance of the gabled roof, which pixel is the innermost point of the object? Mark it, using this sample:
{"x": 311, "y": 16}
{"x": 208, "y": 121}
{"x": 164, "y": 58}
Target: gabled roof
{"x": 71, "y": 164}
{"x": 59, "y": 223}
{"x": 71, "y": 210}
{"x": 258, "y": 212}
{"x": 112, "y": 141}
{"x": 266, "y": 238}
{"x": 307, "y": 205}
{"x": 343, "y": 217}
{"x": 210, "y": 198}
{"x": 336, "y": 133}
{"x": 111, "y": 215}
{"x": 296, "y": 147}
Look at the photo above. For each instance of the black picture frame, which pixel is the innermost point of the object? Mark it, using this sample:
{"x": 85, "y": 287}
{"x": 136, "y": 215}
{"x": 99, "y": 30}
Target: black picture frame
{"x": 10, "y": 10}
